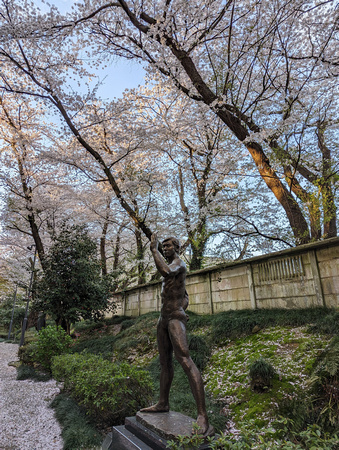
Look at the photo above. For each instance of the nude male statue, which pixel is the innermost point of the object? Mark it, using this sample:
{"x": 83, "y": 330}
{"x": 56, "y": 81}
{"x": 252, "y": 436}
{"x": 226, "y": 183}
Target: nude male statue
{"x": 171, "y": 330}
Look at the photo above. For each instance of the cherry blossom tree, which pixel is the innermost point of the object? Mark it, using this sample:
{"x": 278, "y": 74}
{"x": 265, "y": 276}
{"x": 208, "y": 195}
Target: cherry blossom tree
{"x": 262, "y": 76}
{"x": 251, "y": 63}
{"x": 206, "y": 170}
{"x": 36, "y": 68}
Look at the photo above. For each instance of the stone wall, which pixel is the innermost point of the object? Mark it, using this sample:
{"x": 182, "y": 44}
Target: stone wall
{"x": 299, "y": 277}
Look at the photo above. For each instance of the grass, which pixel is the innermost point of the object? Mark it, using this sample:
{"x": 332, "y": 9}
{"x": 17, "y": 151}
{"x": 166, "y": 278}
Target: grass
{"x": 102, "y": 345}
{"x": 25, "y": 372}
{"x": 291, "y": 351}
{"x": 77, "y": 430}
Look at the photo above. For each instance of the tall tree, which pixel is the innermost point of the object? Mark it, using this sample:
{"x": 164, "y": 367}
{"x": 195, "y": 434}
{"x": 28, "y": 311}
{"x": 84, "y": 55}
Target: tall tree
{"x": 71, "y": 287}
{"x": 245, "y": 60}
{"x": 205, "y": 166}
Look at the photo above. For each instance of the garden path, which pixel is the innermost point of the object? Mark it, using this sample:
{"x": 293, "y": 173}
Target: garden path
{"x": 26, "y": 421}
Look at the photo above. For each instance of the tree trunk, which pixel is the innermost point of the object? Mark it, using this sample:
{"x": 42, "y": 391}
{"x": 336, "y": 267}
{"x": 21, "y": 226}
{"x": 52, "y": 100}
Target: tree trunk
{"x": 103, "y": 257}
{"x": 328, "y": 201}
{"x": 330, "y": 212}
{"x": 197, "y": 257}
{"x": 198, "y": 245}
{"x": 310, "y": 201}
{"x": 140, "y": 258}
{"x": 294, "y": 214}
{"x": 116, "y": 252}
{"x": 27, "y": 191}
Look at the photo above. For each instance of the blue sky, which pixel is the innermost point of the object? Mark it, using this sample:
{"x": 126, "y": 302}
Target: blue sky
{"x": 120, "y": 75}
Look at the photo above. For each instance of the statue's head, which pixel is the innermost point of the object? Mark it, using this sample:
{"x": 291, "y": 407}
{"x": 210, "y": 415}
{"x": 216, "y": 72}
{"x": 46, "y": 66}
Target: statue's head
{"x": 175, "y": 242}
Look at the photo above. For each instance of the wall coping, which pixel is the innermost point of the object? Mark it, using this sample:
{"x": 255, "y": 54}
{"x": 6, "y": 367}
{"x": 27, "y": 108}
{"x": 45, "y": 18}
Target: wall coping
{"x": 332, "y": 242}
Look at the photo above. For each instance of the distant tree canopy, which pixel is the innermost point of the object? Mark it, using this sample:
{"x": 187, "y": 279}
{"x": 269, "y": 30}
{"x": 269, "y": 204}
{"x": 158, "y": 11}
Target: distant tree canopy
{"x": 71, "y": 287}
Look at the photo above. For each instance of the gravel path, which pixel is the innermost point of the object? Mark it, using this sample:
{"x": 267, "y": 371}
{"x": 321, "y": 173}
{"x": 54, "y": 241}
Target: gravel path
{"x": 26, "y": 421}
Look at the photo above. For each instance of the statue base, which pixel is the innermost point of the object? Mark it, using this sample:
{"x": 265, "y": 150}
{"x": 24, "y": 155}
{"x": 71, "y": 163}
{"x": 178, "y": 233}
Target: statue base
{"x": 150, "y": 431}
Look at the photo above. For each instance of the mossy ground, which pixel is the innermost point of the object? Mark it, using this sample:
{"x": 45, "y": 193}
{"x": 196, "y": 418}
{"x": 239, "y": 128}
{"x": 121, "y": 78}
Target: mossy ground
{"x": 291, "y": 351}
{"x": 224, "y": 346}
{"x": 290, "y": 340}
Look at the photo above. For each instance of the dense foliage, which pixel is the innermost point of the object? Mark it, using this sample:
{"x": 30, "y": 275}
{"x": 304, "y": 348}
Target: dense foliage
{"x": 6, "y": 316}
{"x": 71, "y": 287}
{"x": 77, "y": 429}
{"x": 261, "y": 373}
{"x": 109, "y": 391}
{"x": 52, "y": 341}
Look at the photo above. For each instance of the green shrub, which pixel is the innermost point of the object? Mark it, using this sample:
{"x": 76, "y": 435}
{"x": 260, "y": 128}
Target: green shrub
{"x": 127, "y": 323}
{"x": 6, "y": 316}
{"x": 261, "y": 374}
{"x": 329, "y": 324}
{"x": 109, "y": 392}
{"x": 26, "y": 353}
{"x": 231, "y": 324}
{"x": 116, "y": 320}
{"x": 88, "y": 326}
{"x": 261, "y": 439}
{"x": 52, "y": 341}
{"x": 102, "y": 345}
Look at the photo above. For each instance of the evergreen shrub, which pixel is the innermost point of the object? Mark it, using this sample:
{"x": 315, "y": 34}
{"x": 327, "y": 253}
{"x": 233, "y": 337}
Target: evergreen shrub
{"x": 26, "y": 353}
{"x": 110, "y": 392}
{"x": 261, "y": 374}
{"x": 25, "y": 372}
{"x": 6, "y": 316}
{"x": 52, "y": 341}
{"x": 78, "y": 432}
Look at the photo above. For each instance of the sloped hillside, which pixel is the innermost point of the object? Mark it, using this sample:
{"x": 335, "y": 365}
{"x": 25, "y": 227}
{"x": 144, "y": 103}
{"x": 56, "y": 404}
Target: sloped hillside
{"x": 299, "y": 401}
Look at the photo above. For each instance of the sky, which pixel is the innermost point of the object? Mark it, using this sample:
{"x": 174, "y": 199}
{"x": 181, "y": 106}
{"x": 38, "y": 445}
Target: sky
{"x": 122, "y": 74}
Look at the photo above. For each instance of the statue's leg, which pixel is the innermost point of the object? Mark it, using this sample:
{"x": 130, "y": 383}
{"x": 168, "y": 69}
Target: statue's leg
{"x": 166, "y": 374}
{"x": 177, "y": 331}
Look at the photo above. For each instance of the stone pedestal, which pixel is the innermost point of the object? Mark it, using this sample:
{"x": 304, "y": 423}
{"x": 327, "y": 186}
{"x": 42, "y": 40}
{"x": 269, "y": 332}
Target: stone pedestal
{"x": 149, "y": 431}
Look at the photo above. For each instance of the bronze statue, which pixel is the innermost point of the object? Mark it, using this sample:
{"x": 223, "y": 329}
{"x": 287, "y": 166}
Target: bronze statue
{"x": 171, "y": 330}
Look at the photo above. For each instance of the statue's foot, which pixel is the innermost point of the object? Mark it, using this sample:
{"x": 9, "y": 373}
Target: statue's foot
{"x": 204, "y": 428}
{"x": 156, "y": 408}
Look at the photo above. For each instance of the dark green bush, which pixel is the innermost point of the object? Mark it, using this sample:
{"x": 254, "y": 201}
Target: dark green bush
{"x": 6, "y": 315}
{"x": 115, "y": 320}
{"x": 52, "y": 341}
{"x": 26, "y": 353}
{"x": 71, "y": 287}
{"x": 110, "y": 392}
{"x": 127, "y": 323}
{"x": 102, "y": 345}
{"x": 88, "y": 326}
{"x": 328, "y": 324}
{"x": 261, "y": 374}
{"x": 231, "y": 324}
